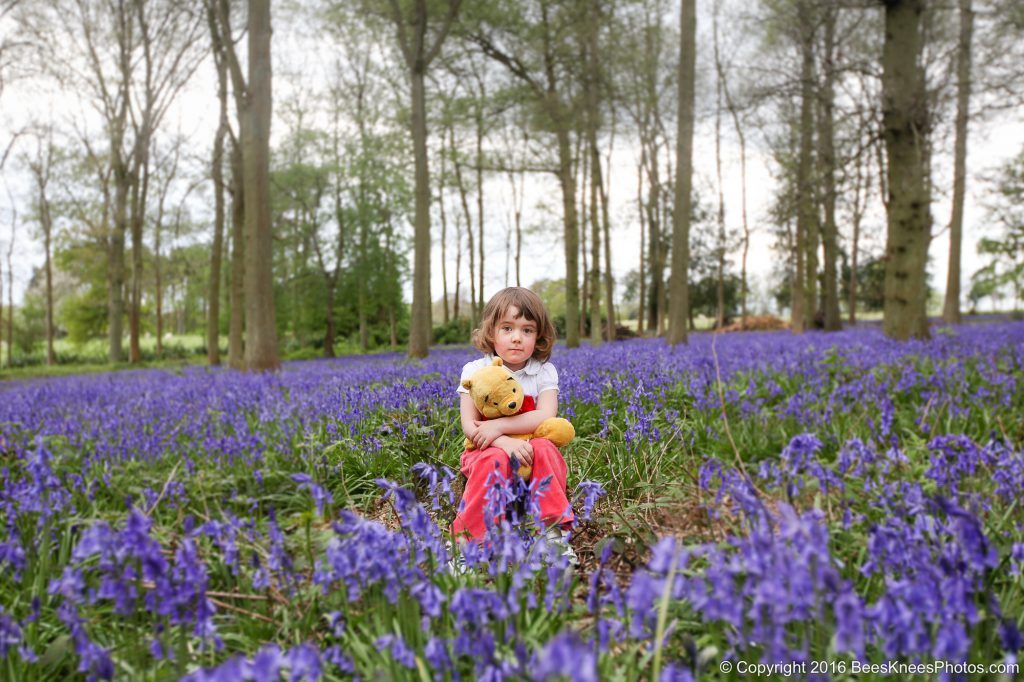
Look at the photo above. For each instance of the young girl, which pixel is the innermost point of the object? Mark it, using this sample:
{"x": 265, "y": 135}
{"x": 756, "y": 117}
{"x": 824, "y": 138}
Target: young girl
{"x": 516, "y": 328}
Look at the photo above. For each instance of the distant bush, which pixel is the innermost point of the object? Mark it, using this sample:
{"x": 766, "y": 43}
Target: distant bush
{"x": 455, "y": 331}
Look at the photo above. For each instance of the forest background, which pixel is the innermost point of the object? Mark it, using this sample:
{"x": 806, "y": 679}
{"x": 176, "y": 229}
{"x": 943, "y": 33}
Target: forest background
{"x": 547, "y": 155}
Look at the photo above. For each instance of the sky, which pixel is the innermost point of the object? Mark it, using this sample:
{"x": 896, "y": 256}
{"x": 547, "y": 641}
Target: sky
{"x": 991, "y": 144}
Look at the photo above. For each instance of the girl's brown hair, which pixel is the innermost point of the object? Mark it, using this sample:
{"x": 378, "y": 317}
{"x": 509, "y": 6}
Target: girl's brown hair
{"x": 530, "y": 306}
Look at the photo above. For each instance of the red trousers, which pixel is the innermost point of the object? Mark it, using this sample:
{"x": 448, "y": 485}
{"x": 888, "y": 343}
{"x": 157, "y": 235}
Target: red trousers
{"x": 480, "y": 465}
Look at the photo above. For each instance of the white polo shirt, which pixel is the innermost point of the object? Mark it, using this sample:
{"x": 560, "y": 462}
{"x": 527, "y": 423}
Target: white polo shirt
{"x": 535, "y": 377}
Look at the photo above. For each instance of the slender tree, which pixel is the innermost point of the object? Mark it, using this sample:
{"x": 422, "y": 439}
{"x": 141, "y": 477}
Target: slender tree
{"x": 827, "y": 163}
{"x": 680, "y": 300}
{"x": 802, "y": 299}
{"x": 906, "y": 127}
{"x": 10, "y": 291}
{"x": 217, "y": 163}
{"x": 223, "y": 45}
{"x": 260, "y": 328}
{"x": 418, "y": 52}
{"x": 951, "y": 306}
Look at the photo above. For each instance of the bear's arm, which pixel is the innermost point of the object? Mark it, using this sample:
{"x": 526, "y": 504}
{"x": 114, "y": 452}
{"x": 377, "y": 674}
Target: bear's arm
{"x": 527, "y": 422}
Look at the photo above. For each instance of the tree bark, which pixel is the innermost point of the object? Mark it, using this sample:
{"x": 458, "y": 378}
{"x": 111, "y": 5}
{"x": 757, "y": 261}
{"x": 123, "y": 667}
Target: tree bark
{"x": 951, "y": 306}
{"x": 444, "y": 237}
{"x": 905, "y": 120}
{"x": 641, "y": 294}
{"x": 421, "y": 326}
{"x": 139, "y": 181}
{"x": 236, "y": 323}
{"x": 592, "y": 80}
{"x": 680, "y": 312}
{"x": 158, "y": 289}
{"x": 581, "y": 162}
{"x": 720, "y": 285}
{"x": 10, "y": 295}
{"x": 219, "y": 210}
{"x": 609, "y": 281}
{"x": 859, "y": 185}
{"x": 572, "y": 290}
{"x": 47, "y": 221}
{"x": 418, "y": 56}
{"x": 734, "y": 114}
{"x": 480, "y": 199}
{"x": 826, "y": 143}
{"x": 260, "y": 326}
{"x": 805, "y": 193}
{"x": 464, "y": 199}
{"x": 1, "y": 314}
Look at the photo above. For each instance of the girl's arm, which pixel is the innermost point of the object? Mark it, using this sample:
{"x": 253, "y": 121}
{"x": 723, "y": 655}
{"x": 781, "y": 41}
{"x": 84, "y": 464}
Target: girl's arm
{"x": 469, "y": 414}
{"x": 527, "y": 422}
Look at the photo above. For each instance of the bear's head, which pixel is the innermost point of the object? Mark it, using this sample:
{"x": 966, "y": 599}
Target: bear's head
{"x": 495, "y": 391}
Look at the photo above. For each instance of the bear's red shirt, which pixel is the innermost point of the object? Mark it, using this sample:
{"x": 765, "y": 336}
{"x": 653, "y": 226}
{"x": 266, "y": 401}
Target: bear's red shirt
{"x": 529, "y": 405}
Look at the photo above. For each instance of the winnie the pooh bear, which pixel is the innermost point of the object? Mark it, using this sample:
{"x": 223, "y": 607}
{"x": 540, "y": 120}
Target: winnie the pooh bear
{"x": 496, "y": 393}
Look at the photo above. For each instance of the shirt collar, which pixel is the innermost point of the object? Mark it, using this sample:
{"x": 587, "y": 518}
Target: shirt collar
{"x": 532, "y": 367}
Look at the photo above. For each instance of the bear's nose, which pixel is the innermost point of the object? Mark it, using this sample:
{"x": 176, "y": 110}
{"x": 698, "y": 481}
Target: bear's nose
{"x": 512, "y": 406}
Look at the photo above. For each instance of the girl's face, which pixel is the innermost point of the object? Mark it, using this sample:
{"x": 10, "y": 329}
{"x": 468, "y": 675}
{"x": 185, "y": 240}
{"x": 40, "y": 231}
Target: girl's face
{"x": 514, "y": 339}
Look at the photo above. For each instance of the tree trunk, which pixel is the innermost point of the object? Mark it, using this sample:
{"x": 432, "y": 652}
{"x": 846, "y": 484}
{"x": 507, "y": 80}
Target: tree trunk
{"x": 680, "y": 313}
{"x": 654, "y": 244}
{"x": 595, "y": 247}
{"x": 720, "y": 285}
{"x": 115, "y": 270}
{"x": 859, "y": 184}
{"x": 216, "y": 256}
{"x": 219, "y": 215}
{"x": 593, "y": 120}
{"x": 583, "y": 165}
{"x": 571, "y": 238}
{"x": 826, "y": 142}
{"x": 260, "y": 326}
{"x": 330, "y": 333}
{"x": 734, "y": 114}
{"x": 236, "y": 325}
{"x": 44, "y": 202}
{"x": 10, "y": 298}
{"x": 139, "y": 188}
{"x": 517, "y": 218}
{"x": 805, "y": 194}
{"x": 458, "y": 271}
{"x": 420, "y": 326}
{"x": 641, "y": 295}
{"x": 609, "y": 281}
{"x": 951, "y": 306}
{"x": 905, "y": 119}
{"x": 464, "y": 199}
{"x": 480, "y": 208}
{"x": 1, "y": 314}
{"x": 158, "y": 289}
{"x": 444, "y": 237}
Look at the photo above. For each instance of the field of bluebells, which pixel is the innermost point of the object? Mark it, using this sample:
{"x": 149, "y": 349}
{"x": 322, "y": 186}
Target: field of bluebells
{"x": 754, "y": 497}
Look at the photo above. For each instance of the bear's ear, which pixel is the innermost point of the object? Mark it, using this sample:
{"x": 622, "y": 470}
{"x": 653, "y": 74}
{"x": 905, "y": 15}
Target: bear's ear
{"x": 467, "y": 384}
{"x": 497, "y": 362}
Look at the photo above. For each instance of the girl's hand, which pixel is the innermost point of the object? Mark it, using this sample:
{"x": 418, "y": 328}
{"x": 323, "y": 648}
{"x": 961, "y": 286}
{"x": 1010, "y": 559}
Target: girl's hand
{"x": 484, "y": 434}
{"x": 520, "y": 449}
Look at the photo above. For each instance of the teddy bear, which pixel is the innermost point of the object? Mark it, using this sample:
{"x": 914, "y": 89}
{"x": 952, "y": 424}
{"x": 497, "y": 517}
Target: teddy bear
{"x": 496, "y": 393}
